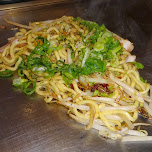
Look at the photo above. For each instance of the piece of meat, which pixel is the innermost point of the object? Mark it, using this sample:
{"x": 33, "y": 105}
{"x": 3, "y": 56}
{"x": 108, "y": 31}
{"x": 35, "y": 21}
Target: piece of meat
{"x": 130, "y": 58}
{"x": 126, "y": 43}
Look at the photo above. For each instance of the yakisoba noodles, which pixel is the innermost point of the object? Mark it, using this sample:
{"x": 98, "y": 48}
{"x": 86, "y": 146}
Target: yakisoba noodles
{"x": 86, "y": 68}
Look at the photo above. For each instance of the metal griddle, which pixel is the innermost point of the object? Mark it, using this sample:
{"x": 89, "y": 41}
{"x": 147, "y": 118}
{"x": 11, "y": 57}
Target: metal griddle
{"x": 27, "y": 123}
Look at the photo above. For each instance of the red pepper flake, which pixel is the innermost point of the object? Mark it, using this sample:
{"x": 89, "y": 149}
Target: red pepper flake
{"x": 118, "y": 101}
{"x": 72, "y": 87}
{"x": 101, "y": 87}
{"x": 65, "y": 33}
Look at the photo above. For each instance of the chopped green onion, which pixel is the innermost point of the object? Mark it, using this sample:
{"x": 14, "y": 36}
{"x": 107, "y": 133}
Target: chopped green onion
{"x": 19, "y": 82}
{"x": 96, "y": 93}
{"x": 117, "y": 49}
{"x": 29, "y": 88}
{"x": 59, "y": 61}
{"x": 141, "y": 78}
{"x": 76, "y": 19}
{"x": 72, "y": 54}
{"x": 67, "y": 81}
{"x": 69, "y": 75}
{"x": 6, "y": 73}
{"x": 20, "y": 73}
{"x": 138, "y": 65}
{"x": 54, "y": 49}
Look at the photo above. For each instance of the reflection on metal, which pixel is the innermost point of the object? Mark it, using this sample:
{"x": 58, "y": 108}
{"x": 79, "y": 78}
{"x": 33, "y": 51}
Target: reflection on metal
{"x": 29, "y": 4}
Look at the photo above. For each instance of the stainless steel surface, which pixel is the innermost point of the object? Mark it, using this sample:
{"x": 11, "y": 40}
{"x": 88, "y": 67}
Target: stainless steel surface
{"x": 27, "y": 123}
{"x": 4, "y": 2}
{"x": 28, "y": 4}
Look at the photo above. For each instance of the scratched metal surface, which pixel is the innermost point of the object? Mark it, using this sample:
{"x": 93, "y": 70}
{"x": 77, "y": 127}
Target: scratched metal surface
{"x": 28, "y": 124}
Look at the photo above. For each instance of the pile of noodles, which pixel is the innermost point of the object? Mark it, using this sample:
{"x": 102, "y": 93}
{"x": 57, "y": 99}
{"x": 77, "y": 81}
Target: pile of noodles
{"x": 113, "y": 115}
